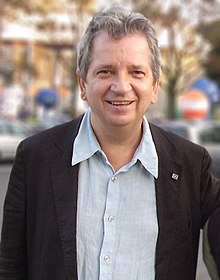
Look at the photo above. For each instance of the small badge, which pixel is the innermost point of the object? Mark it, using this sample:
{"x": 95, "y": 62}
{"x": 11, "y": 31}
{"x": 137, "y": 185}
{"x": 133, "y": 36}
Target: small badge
{"x": 175, "y": 176}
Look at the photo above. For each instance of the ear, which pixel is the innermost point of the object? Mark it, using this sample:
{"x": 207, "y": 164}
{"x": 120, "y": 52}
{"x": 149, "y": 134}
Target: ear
{"x": 82, "y": 86}
{"x": 155, "y": 89}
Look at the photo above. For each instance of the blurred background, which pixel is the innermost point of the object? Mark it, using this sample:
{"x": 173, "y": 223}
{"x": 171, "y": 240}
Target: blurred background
{"x": 38, "y": 87}
{"x": 38, "y": 41}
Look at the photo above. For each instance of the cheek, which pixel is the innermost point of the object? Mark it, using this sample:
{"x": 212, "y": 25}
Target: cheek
{"x": 97, "y": 90}
{"x": 145, "y": 91}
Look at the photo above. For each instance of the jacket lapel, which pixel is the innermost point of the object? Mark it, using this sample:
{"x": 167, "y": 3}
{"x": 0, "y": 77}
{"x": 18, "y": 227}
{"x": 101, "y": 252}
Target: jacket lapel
{"x": 64, "y": 186}
{"x": 167, "y": 192}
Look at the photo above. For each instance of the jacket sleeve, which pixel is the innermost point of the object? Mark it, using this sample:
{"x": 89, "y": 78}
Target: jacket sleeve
{"x": 207, "y": 256}
{"x": 13, "y": 257}
{"x": 209, "y": 189}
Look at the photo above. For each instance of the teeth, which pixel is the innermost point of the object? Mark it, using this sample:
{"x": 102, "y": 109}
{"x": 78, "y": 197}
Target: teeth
{"x": 120, "y": 103}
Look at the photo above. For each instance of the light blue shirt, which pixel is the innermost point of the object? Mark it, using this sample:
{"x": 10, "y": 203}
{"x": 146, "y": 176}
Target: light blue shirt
{"x": 117, "y": 225}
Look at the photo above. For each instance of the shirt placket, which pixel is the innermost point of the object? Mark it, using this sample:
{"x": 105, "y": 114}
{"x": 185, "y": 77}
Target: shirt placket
{"x": 107, "y": 254}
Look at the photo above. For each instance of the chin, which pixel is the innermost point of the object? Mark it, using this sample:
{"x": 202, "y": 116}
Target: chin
{"x": 120, "y": 122}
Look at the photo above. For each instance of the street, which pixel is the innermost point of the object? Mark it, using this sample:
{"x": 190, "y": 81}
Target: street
{"x": 4, "y": 176}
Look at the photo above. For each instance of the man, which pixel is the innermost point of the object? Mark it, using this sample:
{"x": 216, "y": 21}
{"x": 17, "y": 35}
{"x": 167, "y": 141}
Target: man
{"x": 108, "y": 195}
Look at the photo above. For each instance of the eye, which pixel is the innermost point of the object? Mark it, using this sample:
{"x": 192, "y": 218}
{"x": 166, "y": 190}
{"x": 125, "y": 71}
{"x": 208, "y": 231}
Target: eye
{"x": 138, "y": 73}
{"x": 104, "y": 73}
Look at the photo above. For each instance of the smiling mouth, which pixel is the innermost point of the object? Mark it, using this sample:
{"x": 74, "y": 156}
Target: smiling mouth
{"x": 120, "y": 103}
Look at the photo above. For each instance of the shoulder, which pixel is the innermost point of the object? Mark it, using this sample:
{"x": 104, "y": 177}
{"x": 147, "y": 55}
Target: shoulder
{"x": 57, "y": 134}
{"x": 166, "y": 137}
{"x": 173, "y": 146}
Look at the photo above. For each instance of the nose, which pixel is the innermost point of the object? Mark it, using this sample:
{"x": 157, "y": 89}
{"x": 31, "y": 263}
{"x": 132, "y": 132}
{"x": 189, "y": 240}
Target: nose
{"x": 121, "y": 83}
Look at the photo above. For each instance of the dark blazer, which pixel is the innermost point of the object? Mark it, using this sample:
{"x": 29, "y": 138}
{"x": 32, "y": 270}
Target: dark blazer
{"x": 39, "y": 224}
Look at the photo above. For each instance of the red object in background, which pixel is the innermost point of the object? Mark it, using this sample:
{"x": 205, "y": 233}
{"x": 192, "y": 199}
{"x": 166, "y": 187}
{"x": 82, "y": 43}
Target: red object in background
{"x": 194, "y": 105}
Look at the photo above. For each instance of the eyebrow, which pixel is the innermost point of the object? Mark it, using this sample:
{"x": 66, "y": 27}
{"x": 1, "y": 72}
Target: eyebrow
{"x": 132, "y": 66}
{"x": 104, "y": 66}
{"x": 138, "y": 66}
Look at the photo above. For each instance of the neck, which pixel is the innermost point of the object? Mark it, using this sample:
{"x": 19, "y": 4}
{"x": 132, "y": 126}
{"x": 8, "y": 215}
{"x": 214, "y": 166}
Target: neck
{"x": 119, "y": 143}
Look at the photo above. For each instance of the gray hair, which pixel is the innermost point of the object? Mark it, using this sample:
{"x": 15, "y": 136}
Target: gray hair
{"x": 118, "y": 22}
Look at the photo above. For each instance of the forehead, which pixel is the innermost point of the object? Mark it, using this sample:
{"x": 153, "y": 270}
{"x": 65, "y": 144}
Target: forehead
{"x": 131, "y": 46}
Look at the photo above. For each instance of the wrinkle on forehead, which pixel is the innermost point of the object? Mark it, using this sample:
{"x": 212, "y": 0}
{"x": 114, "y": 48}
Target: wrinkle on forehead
{"x": 121, "y": 49}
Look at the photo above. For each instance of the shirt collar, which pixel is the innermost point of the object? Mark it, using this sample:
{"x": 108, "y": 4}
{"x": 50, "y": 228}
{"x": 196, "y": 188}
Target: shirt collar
{"x": 86, "y": 145}
{"x": 146, "y": 152}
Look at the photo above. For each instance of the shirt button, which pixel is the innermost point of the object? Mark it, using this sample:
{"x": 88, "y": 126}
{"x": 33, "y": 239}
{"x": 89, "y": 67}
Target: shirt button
{"x": 106, "y": 258}
{"x": 110, "y": 219}
{"x": 114, "y": 179}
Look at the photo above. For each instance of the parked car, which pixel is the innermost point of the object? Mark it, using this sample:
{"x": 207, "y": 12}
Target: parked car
{"x": 47, "y": 123}
{"x": 11, "y": 134}
{"x": 205, "y": 133}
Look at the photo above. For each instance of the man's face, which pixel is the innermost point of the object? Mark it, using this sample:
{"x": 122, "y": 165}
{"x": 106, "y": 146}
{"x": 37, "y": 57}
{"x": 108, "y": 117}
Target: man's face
{"x": 119, "y": 86}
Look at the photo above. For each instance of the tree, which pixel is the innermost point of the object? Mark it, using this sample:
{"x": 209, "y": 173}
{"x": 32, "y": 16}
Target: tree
{"x": 178, "y": 56}
{"x": 180, "y": 60}
{"x": 211, "y": 32}
{"x": 183, "y": 52}
{"x": 197, "y": 12}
